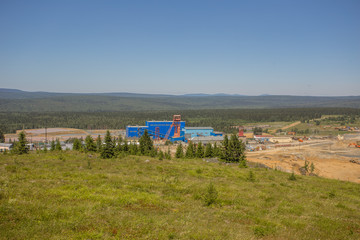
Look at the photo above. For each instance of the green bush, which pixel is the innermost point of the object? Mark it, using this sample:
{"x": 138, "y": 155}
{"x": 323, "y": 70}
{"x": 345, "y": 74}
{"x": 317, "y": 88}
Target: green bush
{"x": 211, "y": 195}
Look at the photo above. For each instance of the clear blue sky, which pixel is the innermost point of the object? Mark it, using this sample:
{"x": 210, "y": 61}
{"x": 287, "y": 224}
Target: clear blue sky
{"x": 304, "y": 47}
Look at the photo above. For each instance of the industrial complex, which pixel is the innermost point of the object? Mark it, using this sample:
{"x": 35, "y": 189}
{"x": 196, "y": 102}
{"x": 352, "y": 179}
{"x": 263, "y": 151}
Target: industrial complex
{"x": 170, "y": 130}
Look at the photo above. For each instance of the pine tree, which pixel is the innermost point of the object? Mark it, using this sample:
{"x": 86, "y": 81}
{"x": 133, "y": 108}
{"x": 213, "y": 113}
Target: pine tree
{"x": 77, "y": 144}
{"x": 107, "y": 150}
{"x": 58, "y": 145}
{"x": 2, "y": 136}
{"x": 233, "y": 150}
{"x": 190, "y": 150}
{"x": 161, "y": 155}
{"x": 125, "y": 148}
{"x": 179, "y": 151}
{"x": 225, "y": 149}
{"x": 45, "y": 148}
{"x": 200, "y": 151}
{"x": 52, "y": 145}
{"x": 208, "y": 151}
{"x": 98, "y": 144}
{"x": 90, "y": 145}
{"x": 168, "y": 154}
{"x": 20, "y": 146}
{"x": 133, "y": 149}
{"x": 119, "y": 147}
{"x": 146, "y": 145}
{"x": 216, "y": 150}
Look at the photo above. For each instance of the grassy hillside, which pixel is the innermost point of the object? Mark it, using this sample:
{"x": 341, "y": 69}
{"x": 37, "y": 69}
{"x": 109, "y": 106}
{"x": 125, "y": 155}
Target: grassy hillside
{"x": 76, "y": 196}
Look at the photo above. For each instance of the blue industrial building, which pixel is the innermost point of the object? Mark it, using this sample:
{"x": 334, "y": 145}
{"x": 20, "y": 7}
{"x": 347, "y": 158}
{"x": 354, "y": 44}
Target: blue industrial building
{"x": 156, "y": 129}
{"x": 191, "y": 132}
{"x": 159, "y": 129}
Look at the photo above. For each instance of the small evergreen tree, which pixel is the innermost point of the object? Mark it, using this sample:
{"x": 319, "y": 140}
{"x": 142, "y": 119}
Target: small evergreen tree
{"x": 90, "y": 145}
{"x": 190, "y": 151}
{"x": 52, "y": 145}
{"x": 119, "y": 147}
{"x": 125, "y": 147}
{"x": 211, "y": 195}
{"x": 216, "y": 151}
{"x": 292, "y": 177}
{"x": 161, "y": 155}
{"x": 251, "y": 177}
{"x": 312, "y": 168}
{"x": 77, "y": 144}
{"x": 107, "y": 150}
{"x": 200, "y": 151}
{"x": 168, "y": 154}
{"x": 179, "y": 151}
{"x": 45, "y": 148}
{"x": 98, "y": 144}
{"x": 20, "y": 146}
{"x": 208, "y": 151}
{"x": 133, "y": 149}
{"x": 233, "y": 150}
{"x": 58, "y": 145}
{"x": 145, "y": 144}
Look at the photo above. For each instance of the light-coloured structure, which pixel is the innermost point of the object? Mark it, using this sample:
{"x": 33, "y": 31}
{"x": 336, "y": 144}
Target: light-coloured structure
{"x": 5, "y": 147}
{"x": 281, "y": 140}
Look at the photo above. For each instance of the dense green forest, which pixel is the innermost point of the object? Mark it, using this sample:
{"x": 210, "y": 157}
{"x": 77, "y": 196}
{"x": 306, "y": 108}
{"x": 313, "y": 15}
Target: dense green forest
{"x": 20, "y": 101}
{"x": 219, "y": 119}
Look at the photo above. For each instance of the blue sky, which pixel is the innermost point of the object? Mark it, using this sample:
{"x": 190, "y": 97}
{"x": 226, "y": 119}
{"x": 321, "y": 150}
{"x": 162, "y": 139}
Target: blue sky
{"x": 244, "y": 47}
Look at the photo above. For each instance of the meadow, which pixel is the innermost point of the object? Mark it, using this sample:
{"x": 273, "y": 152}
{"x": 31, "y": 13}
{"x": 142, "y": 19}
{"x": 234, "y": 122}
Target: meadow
{"x": 72, "y": 195}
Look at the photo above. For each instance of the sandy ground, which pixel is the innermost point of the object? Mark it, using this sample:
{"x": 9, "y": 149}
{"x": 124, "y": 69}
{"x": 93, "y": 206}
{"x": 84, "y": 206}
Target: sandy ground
{"x": 38, "y": 135}
{"x": 331, "y": 159}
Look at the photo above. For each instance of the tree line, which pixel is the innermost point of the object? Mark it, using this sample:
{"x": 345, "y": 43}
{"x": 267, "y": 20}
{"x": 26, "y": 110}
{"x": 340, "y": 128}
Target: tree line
{"x": 219, "y": 119}
{"x": 230, "y": 150}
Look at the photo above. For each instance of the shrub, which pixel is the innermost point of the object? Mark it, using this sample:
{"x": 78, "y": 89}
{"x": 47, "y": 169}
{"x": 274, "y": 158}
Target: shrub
{"x": 251, "y": 177}
{"x": 211, "y": 195}
{"x": 292, "y": 177}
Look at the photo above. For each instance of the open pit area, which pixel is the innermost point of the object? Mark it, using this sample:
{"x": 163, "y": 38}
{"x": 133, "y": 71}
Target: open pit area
{"x": 332, "y": 158}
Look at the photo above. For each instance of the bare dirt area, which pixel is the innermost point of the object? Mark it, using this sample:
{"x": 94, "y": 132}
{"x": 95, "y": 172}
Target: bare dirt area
{"x": 331, "y": 158}
{"x": 39, "y": 135}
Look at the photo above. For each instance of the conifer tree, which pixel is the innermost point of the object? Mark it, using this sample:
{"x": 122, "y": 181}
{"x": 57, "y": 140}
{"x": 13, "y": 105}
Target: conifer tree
{"x": 179, "y": 151}
{"x": 125, "y": 147}
{"x": 200, "y": 151}
{"x": 52, "y": 145}
{"x": 77, "y": 144}
{"x": 145, "y": 144}
{"x": 20, "y": 146}
{"x": 45, "y": 148}
{"x": 98, "y": 144}
{"x": 216, "y": 151}
{"x": 161, "y": 155}
{"x": 58, "y": 145}
{"x": 208, "y": 151}
{"x": 119, "y": 147}
{"x": 133, "y": 149}
{"x": 233, "y": 150}
{"x": 168, "y": 154}
{"x": 107, "y": 150}
{"x": 90, "y": 145}
{"x": 190, "y": 150}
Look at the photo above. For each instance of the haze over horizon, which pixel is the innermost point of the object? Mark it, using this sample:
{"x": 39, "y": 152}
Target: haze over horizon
{"x": 303, "y": 48}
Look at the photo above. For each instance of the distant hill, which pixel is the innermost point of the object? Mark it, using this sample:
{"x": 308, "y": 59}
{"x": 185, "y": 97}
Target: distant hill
{"x": 13, "y": 100}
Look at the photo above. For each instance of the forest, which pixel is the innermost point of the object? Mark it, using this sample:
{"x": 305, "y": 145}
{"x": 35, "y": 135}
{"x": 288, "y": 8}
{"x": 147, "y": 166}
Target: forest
{"x": 219, "y": 119}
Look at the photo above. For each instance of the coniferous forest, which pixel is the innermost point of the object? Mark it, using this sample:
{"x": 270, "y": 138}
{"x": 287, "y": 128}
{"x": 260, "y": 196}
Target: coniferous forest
{"x": 219, "y": 119}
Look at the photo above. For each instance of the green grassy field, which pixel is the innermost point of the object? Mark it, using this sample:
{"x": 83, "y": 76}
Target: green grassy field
{"x": 76, "y": 196}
